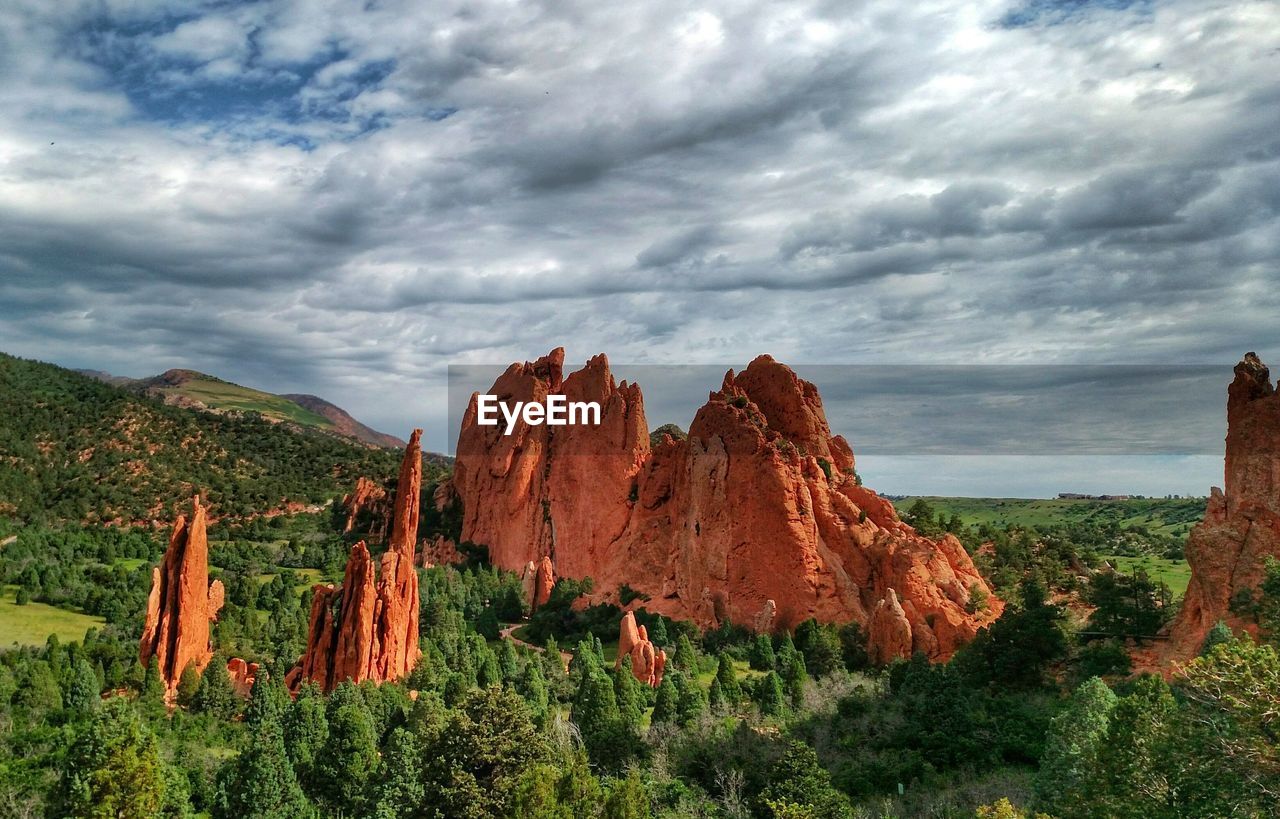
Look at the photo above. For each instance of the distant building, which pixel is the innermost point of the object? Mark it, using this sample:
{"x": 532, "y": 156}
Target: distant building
{"x": 1080, "y": 496}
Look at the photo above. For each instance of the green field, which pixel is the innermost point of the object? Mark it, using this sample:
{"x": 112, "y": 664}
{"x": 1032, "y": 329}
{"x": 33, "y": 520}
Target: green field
{"x": 33, "y": 623}
{"x": 221, "y": 395}
{"x": 1173, "y": 573}
{"x": 1173, "y": 517}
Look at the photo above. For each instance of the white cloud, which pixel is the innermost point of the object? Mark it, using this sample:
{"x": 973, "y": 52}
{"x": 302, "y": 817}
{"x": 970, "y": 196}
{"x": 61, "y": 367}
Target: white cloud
{"x": 826, "y": 182}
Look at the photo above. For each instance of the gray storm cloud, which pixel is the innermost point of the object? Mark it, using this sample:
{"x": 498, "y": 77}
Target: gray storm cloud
{"x": 314, "y": 200}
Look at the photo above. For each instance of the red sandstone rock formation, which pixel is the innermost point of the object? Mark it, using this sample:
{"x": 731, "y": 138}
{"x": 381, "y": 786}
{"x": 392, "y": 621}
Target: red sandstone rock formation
{"x": 439, "y": 552}
{"x": 756, "y": 516}
{"x": 647, "y": 660}
{"x": 182, "y": 603}
{"x": 543, "y": 582}
{"x": 1228, "y": 550}
{"x": 367, "y": 628}
{"x": 242, "y": 675}
{"x": 367, "y": 497}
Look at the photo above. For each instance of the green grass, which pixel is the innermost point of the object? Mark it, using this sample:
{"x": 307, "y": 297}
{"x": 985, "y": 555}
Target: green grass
{"x": 32, "y": 624}
{"x": 303, "y": 578}
{"x": 1173, "y": 517}
{"x": 221, "y": 395}
{"x": 1173, "y": 573}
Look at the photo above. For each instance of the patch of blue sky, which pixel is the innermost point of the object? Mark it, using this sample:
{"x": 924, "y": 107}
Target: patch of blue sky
{"x": 1059, "y": 12}
{"x": 176, "y": 89}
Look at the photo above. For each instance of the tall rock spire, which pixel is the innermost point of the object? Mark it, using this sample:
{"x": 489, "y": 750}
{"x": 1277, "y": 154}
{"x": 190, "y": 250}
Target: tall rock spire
{"x": 367, "y": 628}
{"x": 182, "y": 602}
{"x": 1228, "y": 549}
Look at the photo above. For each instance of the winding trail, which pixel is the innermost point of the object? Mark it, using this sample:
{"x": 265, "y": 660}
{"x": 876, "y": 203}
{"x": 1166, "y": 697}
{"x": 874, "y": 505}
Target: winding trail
{"x": 509, "y": 631}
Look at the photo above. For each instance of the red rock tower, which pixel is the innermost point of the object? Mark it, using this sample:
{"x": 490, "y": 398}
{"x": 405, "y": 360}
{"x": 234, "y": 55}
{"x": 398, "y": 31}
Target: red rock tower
{"x": 367, "y": 627}
{"x": 182, "y": 602}
{"x": 1228, "y": 549}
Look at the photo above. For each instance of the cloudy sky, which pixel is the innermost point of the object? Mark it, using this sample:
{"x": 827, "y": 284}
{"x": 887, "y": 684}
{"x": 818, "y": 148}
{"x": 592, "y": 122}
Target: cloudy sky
{"x": 345, "y": 198}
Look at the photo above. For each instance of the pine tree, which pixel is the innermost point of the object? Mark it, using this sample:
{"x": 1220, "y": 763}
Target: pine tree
{"x": 666, "y": 706}
{"x": 112, "y": 767}
{"x": 627, "y": 798}
{"x": 685, "y": 659}
{"x": 715, "y": 697}
{"x": 215, "y": 694}
{"x": 151, "y": 698}
{"x": 188, "y": 684}
{"x": 260, "y": 783}
{"x": 346, "y": 763}
{"x": 595, "y": 711}
{"x": 658, "y": 632}
{"x": 509, "y": 662}
{"x": 532, "y": 685}
{"x": 306, "y": 731}
{"x": 268, "y": 701}
{"x": 1219, "y": 634}
{"x": 626, "y": 689}
{"x": 768, "y": 694}
{"x": 693, "y": 702}
{"x": 1069, "y": 763}
{"x": 83, "y": 694}
{"x": 400, "y": 789}
{"x": 761, "y": 657}
{"x": 727, "y": 676}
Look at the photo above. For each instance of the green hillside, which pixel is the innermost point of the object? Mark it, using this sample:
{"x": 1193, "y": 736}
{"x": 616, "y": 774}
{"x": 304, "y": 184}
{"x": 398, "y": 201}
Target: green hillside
{"x": 1161, "y": 516}
{"x": 217, "y": 394}
{"x": 75, "y": 449}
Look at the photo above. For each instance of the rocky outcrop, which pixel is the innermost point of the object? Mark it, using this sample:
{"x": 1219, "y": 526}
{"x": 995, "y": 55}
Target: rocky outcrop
{"x": 182, "y": 603}
{"x": 242, "y": 675}
{"x": 367, "y": 628}
{"x": 543, "y": 582}
{"x": 759, "y": 503}
{"x": 1228, "y": 549}
{"x": 889, "y": 631}
{"x": 439, "y": 551}
{"x": 369, "y": 500}
{"x": 647, "y": 660}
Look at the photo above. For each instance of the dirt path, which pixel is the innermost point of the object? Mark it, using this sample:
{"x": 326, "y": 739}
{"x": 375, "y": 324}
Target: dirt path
{"x": 509, "y": 632}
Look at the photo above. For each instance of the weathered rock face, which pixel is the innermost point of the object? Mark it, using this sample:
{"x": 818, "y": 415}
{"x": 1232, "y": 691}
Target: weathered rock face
{"x": 1228, "y": 550}
{"x": 647, "y": 660}
{"x": 756, "y": 517}
{"x": 367, "y": 628}
{"x": 182, "y": 603}
{"x": 439, "y": 551}
{"x": 367, "y": 498}
{"x": 242, "y": 675}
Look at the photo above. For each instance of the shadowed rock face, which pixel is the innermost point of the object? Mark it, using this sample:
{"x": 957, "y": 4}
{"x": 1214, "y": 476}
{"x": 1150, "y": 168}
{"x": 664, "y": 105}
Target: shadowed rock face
{"x": 182, "y": 602}
{"x": 755, "y": 517}
{"x": 1228, "y": 550}
{"x": 367, "y": 628}
{"x": 366, "y": 497}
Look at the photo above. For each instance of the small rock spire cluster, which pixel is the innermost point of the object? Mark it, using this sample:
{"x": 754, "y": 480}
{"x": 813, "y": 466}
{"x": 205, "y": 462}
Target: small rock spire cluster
{"x": 367, "y": 627}
{"x": 182, "y": 603}
{"x": 648, "y": 662}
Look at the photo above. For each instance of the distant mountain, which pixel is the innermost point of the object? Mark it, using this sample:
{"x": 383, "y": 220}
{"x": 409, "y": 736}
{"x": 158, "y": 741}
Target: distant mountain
{"x": 343, "y": 422}
{"x": 200, "y": 391}
{"x": 73, "y": 448}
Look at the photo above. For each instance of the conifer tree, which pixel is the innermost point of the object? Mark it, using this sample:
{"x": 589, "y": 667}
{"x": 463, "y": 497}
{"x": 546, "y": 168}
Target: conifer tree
{"x": 761, "y": 657}
{"x": 727, "y": 676}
